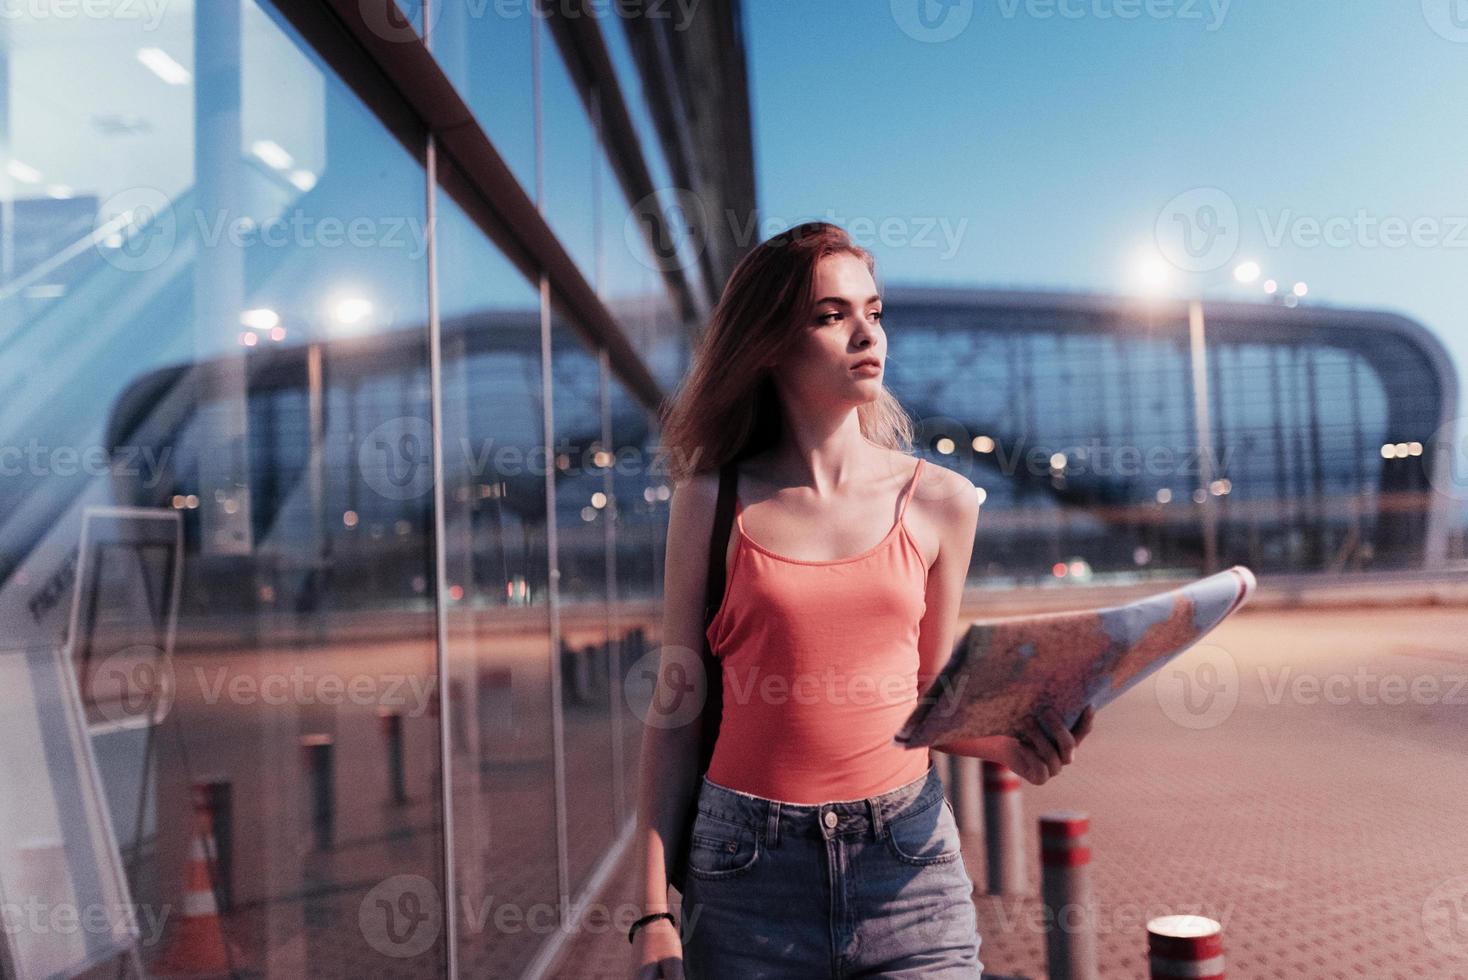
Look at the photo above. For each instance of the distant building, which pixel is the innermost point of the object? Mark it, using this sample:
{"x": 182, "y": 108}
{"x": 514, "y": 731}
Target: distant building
{"x": 1322, "y": 423}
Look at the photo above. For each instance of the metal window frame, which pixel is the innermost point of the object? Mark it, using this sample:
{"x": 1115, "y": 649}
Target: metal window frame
{"x": 405, "y": 87}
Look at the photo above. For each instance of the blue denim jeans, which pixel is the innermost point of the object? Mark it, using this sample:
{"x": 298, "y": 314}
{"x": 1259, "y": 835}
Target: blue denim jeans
{"x": 874, "y": 887}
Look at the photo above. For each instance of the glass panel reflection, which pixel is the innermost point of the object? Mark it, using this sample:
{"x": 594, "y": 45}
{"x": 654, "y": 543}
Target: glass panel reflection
{"x": 499, "y": 646}
{"x": 212, "y": 316}
{"x": 582, "y": 502}
{"x": 640, "y": 524}
{"x": 484, "y": 49}
{"x": 570, "y": 161}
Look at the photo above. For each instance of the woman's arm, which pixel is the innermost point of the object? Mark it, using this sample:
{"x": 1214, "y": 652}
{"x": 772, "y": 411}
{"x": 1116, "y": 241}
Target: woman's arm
{"x": 954, "y": 508}
{"x": 1047, "y": 744}
{"x": 670, "y": 741}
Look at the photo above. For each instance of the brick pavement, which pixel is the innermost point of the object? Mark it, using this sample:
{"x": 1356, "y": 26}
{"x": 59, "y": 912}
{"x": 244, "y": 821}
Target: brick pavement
{"x": 1312, "y": 807}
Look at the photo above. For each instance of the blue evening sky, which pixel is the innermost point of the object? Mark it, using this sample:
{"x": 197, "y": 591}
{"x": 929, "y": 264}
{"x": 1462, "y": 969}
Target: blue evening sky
{"x": 1052, "y": 139}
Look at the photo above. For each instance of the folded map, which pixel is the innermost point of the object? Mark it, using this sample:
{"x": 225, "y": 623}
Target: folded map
{"x": 1002, "y": 670}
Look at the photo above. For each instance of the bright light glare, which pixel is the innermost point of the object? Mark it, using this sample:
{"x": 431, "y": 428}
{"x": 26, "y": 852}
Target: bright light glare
{"x": 1154, "y": 275}
{"x": 352, "y": 310}
{"x": 1246, "y": 271}
{"x": 161, "y": 64}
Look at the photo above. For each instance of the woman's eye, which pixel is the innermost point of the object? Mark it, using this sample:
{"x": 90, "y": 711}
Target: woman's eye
{"x": 826, "y": 317}
{"x": 876, "y": 314}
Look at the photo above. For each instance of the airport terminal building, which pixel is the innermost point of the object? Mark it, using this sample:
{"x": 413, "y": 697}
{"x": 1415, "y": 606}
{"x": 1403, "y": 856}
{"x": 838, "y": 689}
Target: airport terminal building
{"x": 331, "y": 551}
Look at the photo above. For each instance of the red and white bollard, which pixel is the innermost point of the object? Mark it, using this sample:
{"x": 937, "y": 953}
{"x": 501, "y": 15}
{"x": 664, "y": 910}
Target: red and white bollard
{"x": 1065, "y": 886}
{"x": 1185, "y": 946}
{"x": 1004, "y": 830}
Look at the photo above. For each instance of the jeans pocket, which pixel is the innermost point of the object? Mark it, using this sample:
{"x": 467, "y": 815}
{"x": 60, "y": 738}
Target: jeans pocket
{"x": 929, "y": 836}
{"x": 719, "y": 848}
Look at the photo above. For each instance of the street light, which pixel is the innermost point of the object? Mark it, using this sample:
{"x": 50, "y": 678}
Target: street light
{"x": 1153, "y": 274}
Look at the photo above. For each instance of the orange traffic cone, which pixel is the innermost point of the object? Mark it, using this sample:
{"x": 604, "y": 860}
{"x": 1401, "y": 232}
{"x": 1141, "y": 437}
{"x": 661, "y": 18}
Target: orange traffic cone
{"x": 197, "y": 942}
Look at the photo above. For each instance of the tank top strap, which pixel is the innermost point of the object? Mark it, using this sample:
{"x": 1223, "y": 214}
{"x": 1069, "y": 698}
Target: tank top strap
{"x": 911, "y": 486}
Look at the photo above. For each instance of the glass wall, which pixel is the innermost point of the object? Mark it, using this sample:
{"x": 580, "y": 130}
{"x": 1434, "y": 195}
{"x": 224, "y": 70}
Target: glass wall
{"x": 581, "y": 531}
{"x": 499, "y": 631}
{"x": 485, "y": 50}
{"x": 678, "y": 243}
{"x": 220, "y": 566}
{"x": 570, "y": 148}
{"x": 640, "y": 496}
{"x": 214, "y": 348}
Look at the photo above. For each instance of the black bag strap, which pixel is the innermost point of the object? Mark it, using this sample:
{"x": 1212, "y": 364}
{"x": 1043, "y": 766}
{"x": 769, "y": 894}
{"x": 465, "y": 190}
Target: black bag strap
{"x": 713, "y": 707}
{"x": 719, "y": 542}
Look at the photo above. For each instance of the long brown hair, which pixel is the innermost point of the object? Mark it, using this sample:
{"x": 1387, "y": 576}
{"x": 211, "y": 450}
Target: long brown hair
{"x": 727, "y": 407}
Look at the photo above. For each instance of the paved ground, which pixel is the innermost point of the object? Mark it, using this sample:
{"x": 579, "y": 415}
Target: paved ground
{"x": 1302, "y": 778}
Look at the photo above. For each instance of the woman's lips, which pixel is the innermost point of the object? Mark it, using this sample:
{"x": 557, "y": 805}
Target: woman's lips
{"x": 868, "y": 367}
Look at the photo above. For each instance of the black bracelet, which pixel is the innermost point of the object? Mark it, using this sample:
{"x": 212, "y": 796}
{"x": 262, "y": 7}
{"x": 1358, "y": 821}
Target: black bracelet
{"x": 648, "y": 918}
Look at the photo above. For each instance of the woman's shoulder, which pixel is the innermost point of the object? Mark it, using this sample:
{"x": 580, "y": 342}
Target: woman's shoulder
{"x": 945, "y": 496}
{"x": 697, "y": 491}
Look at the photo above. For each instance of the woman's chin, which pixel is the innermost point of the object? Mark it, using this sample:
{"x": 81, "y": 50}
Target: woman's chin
{"x": 866, "y": 390}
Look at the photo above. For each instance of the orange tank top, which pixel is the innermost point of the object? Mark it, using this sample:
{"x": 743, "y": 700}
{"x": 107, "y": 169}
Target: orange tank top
{"x": 820, "y": 662}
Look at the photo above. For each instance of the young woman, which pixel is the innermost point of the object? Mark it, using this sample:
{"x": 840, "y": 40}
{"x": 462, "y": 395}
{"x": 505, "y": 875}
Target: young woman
{"x": 818, "y": 847}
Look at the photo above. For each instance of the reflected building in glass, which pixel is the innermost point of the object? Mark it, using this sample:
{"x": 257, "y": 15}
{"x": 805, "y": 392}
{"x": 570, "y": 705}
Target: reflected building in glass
{"x": 332, "y": 338}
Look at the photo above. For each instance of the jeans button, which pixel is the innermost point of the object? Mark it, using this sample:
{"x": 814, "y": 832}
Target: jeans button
{"x": 831, "y": 818}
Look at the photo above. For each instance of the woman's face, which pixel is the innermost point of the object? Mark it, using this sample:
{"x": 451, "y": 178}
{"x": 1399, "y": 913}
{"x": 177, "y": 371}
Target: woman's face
{"x": 844, "y": 329}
